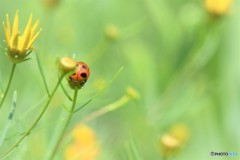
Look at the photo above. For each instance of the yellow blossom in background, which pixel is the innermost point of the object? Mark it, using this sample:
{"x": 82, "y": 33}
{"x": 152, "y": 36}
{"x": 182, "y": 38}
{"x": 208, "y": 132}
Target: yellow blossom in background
{"x": 169, "y": 144}
{"x": 112, "y": 32}
{"x": 19, "y": 46}
{"x": 84, "y": 135}
{"x": 180, "y": 132}
{"x": 99, "y": 84}
{"x": 132, "y": 93}
{"x": 173, "y": 141}
{"x": 51, "y": 3}
{"x": 218, "y": 7}
{"x": 84, "y": 146}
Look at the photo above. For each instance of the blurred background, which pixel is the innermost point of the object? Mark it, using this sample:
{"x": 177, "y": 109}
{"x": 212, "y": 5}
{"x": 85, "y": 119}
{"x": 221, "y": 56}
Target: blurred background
{"x": 181, "y": 58}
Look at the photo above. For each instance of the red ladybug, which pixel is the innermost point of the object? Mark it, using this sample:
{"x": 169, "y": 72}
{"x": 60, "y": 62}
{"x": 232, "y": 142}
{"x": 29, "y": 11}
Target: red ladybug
{"x": 80, "y": 77}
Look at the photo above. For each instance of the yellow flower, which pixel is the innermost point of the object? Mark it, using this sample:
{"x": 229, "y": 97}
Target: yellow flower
{"x": 84, "y": 135}
{"x": 84, "y": 146}
{"x": 169, "y": 144}
{"x": 19, "y": 47}
{"x": 218, "y": 7}
{"x": 180, "y": 131}
{"x": 174, "y": 140}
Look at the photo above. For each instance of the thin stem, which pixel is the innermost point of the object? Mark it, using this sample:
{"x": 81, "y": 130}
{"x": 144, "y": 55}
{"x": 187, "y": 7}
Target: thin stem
{"x": 111, "y": 107}
{"x": 1, "y": 87}
{"x": 82, "y": 106}
{"x": 8, "y": 85}
{"x": 65, "y": 92}
{"x": 103, "y": 89}
{"x": 43, "y": 77}
{"x": 36, "y": 121}
{"x": 65, "y": 126}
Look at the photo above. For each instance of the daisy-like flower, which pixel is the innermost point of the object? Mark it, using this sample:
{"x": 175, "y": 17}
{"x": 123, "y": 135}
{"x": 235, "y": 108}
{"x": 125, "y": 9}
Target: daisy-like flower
{"x": 19, "y": 46}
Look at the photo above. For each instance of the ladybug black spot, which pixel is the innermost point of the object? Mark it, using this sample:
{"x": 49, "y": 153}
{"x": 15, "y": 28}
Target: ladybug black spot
{"x": 84, "y": 67}
{"x": 84, "y": 75}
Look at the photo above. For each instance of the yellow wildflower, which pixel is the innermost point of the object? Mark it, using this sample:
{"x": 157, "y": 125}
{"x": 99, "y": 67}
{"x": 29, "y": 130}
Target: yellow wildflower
{"x": 169, "y": 144}
{"x": 218, "y": 7}
{"x": 19, "y": 47}
{"x": 174, "y": 140}
{"x": 84, "y": 135}
{"x": 84, "y": 146}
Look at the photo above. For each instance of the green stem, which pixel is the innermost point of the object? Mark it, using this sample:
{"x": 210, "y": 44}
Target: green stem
{"x": 43, "y": 77}
{"x": 35, "y": 123}
{"x": 8, "y": 85}
{"x": 103, "y": 89}
{"x": 111, "y": 107}
{"x": 65, "y": 126}
{"x": 65, "y": 92}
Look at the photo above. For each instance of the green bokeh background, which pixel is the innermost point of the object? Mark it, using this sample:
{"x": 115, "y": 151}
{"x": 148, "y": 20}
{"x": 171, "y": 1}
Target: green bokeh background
{"x": 183, "y": 62}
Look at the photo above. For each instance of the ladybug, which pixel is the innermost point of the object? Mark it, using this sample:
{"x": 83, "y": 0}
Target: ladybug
{"x": 80, "y": 77}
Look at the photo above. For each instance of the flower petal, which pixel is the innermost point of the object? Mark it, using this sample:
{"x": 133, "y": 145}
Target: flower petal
{"x": 26, "y": 40}
{"x": 27, "y": 27}
{"x": 15, "y": 41}
{"x": 15, "y": 25}
{"x": 34, "y": 28}
{"x": 7, "y": 36}
{"x": 34, "y": 38}
{"x": 8, "y": 25}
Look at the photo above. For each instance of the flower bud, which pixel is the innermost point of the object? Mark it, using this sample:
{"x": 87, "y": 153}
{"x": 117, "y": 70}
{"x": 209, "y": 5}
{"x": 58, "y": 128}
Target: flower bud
{"x": 169, "y": 144}
{"x": 174, "y": 140}
{"x": 67, "y": 65}
{"x": 132, "y": 93}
